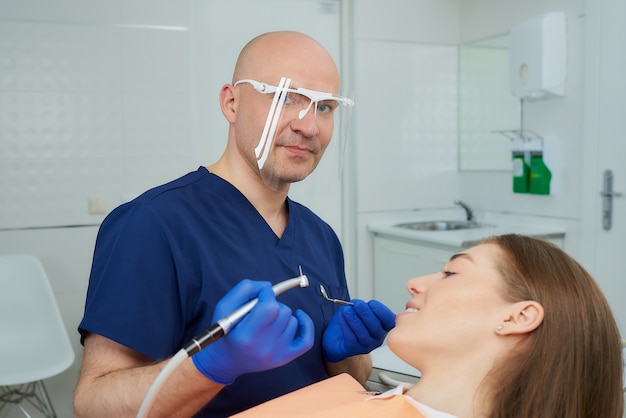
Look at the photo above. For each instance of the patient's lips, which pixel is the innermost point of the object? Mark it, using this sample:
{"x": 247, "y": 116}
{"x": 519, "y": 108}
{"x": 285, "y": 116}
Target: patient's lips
{"x": 410, "y": 308}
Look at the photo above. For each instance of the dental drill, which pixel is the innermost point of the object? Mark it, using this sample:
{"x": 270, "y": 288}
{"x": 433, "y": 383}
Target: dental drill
{"x": 212, "y": 334}
{"x": 222, "y": 326}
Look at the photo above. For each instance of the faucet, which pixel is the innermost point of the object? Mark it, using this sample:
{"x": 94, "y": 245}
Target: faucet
{"x": 468, "y": 210}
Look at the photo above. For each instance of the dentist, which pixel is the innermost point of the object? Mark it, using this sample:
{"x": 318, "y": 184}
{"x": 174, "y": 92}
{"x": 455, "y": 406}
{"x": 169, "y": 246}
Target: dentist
{"x": 167, "y": 263}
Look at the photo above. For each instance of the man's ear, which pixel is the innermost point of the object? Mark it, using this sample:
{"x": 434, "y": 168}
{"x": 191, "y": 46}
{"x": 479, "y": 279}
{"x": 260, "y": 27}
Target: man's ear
{"x": 523, "y": 317}
{"x": 228, "y": 103}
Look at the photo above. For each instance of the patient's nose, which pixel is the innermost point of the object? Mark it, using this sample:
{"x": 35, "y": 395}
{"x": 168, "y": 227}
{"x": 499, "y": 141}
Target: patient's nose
{"x": 420, "y": 284}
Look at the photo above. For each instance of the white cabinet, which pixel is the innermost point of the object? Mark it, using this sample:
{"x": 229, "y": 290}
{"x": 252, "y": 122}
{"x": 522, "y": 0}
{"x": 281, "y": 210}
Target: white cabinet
{"x": 396, "y": 261}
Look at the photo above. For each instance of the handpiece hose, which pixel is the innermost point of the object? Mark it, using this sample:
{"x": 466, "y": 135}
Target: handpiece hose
{"x": 224, "y": 325}
{"x": 214, "y": 333}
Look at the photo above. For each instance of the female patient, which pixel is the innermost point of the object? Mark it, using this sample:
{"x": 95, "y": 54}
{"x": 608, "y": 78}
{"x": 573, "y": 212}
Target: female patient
{"x": 512, "y": 327}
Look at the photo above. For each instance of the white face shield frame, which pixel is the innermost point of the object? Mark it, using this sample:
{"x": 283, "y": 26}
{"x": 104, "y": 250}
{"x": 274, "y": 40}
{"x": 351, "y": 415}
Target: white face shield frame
{"x": 296, "y": 103}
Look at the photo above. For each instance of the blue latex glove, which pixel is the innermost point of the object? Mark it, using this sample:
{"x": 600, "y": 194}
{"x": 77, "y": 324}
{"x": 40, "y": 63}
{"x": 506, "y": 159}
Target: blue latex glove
{"x": 267, "y": 337}
{"x": 357, "y": 329}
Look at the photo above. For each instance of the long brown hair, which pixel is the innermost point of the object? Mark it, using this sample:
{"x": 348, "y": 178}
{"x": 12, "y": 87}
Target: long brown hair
{"x": 571, "y": 365}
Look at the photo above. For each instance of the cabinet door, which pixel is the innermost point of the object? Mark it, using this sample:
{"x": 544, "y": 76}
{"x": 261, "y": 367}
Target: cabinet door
{"x": 395, "y": 262}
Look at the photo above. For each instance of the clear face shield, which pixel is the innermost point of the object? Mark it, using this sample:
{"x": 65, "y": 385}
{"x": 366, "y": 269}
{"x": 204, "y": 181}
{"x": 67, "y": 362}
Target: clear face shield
{"x": 299, "y": 126}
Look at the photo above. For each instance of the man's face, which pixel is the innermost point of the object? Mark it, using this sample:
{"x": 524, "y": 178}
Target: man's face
{"x": 283, "y": 135}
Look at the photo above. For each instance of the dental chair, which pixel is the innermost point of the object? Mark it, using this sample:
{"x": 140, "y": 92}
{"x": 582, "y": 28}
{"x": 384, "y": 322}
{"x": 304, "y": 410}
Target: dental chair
{"x": 34, "y": 344}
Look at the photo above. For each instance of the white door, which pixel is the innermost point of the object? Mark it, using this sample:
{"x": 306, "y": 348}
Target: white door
{"x": 606, "y": 149}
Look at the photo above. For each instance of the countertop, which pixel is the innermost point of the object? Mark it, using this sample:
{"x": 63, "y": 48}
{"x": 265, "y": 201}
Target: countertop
{"x": 496, "y": 225}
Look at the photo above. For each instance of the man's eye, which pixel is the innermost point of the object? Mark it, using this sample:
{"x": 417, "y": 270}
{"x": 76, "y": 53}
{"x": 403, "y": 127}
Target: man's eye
{"x": 292, "y": 98}
{"x": 321, "y": 108}
{"x": 327, "y": 106}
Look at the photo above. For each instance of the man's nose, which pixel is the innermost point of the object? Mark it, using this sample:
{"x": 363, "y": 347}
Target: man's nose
{"x": 306, "y": 121}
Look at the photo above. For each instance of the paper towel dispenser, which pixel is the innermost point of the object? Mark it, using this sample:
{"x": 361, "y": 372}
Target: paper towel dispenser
{"x": 538, "y": 57}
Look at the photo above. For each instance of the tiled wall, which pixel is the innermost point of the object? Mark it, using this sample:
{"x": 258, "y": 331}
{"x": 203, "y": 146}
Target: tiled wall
{"x": 94, "y": 103}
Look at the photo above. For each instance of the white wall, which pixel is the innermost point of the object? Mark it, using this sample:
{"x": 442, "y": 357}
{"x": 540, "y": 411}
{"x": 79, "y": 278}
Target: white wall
{"x": 484, "y": 18}
{"x": 94, "y": 102}
{"x": 559, "y": 118}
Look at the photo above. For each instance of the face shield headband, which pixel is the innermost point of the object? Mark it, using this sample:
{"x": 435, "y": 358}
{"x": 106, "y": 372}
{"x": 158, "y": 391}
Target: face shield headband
{"x": 289, "y": 104}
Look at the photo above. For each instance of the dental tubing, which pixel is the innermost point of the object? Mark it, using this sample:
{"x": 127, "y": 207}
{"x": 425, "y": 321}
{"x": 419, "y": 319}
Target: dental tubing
{"x": 211, "y": 335}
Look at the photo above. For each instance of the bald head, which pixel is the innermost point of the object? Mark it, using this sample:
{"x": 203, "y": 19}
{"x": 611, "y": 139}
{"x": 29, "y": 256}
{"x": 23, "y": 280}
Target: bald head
{"x": 294, "y": 55}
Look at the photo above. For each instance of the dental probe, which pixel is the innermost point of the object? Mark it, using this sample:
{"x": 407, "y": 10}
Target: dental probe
{"x": 214, "y": 333}
{"x": 224, "y": 325}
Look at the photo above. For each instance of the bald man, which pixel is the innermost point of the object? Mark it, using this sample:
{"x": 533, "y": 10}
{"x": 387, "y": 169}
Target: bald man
{"x": 172, "y": 262}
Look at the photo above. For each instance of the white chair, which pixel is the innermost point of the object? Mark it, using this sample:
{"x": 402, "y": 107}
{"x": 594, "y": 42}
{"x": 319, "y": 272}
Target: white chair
{"x": 34, "y": 344}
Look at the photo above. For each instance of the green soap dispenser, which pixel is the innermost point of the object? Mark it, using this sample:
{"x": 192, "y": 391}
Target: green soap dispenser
{"x": 540, "y": 175}
{"x": 520, "y": 173}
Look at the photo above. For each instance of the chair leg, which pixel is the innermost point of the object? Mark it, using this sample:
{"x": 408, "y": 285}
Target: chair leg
{"x": 47, "y": 408}
{"x": 16, "y": 395}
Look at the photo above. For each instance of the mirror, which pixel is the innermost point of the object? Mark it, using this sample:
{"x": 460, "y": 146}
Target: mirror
{"x": 486, "y": 105}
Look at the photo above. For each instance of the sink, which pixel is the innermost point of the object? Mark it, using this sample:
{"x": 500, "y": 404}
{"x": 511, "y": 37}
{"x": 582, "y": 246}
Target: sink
{"x": 442, "y": 225}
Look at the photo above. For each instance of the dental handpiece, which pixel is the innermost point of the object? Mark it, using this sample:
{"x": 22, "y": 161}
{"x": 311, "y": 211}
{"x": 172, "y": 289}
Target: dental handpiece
{"x": 224, "y": 325}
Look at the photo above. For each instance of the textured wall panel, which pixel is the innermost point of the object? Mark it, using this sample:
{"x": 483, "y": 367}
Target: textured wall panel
{"x": 84, "y": 107}
{"x": 157, "y": 125}
{"x": 54, "y": 57}
{"x": 60, "y": 125}
{"x": 54, "y": 192}
{"x": 155, "y": 60}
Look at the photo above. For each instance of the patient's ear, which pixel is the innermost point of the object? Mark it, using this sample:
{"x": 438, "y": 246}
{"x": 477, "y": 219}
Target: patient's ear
{"x": 523, "y": 317}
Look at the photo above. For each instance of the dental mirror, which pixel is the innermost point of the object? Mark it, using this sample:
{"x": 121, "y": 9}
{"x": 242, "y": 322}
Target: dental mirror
{"x": 338, "y": 301}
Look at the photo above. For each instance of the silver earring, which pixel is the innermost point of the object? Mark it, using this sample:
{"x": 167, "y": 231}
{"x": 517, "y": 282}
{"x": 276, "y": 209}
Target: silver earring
{"x": 499, "y": 327}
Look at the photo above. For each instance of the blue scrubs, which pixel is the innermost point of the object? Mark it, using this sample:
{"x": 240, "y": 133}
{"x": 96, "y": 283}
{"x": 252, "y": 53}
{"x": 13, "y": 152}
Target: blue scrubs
{"x": 163, "y": 261}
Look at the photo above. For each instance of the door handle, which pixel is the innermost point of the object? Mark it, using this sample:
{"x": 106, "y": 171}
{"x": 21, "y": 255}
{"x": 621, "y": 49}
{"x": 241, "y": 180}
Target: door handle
{"x": 608, "y": 194}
